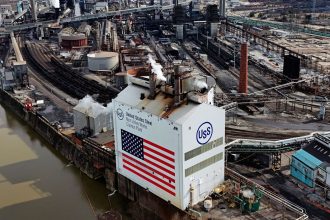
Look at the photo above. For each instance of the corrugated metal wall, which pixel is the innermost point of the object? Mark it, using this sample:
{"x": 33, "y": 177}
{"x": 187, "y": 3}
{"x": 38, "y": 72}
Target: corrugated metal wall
{"x": 302, "y": 172}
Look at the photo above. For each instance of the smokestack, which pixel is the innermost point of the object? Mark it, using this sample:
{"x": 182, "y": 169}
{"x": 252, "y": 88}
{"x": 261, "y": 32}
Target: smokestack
{"x": 57, "y": 13}
{"x": 177, "y": 86}
{"x": 152, "y": 83}
{"x": 222, "y": 8}
{"x": 33, "y": 10}
{"x": 243, "y": 78}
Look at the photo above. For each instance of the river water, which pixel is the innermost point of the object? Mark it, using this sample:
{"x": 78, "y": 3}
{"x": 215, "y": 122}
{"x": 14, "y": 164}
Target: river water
{"x": 38, "y": 183}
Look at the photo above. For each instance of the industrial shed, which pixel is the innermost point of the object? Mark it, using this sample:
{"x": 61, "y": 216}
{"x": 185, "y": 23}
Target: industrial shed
{"x": 311, "y": 164}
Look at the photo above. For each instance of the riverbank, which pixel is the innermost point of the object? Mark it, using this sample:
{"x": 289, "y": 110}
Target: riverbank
{"x": 36, "y": 181}
{"x": 142, "y": 205}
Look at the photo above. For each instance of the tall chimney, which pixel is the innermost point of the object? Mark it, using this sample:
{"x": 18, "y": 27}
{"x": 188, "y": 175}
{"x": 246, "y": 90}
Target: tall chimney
{"x": 222, "y": 8}
{"x": 152, "y": 84}
{"x": 243, "y": 78}
{"x": 34, "y": 10}
{"x": 177, "y": 86}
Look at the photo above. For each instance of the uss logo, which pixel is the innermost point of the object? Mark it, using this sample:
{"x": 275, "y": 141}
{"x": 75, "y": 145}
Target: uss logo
{"x": 204, "y": 133}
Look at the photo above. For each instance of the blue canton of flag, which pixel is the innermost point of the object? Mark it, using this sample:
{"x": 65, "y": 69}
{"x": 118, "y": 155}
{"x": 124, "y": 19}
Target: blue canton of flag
{"x": 132, "y": 144}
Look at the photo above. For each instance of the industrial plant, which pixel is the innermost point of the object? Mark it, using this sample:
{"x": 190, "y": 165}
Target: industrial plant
{"x": 188, "y": 109}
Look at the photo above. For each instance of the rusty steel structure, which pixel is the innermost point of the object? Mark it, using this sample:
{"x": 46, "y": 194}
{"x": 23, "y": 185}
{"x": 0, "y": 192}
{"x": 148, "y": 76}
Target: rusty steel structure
{"x": 268, "y": 44}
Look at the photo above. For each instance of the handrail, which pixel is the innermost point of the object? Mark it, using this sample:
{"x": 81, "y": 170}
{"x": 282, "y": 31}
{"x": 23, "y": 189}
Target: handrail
{"x": 273, "y": 146}
{"x": 286, "y": 203}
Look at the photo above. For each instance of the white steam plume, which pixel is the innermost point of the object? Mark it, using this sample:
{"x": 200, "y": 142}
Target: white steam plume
{"x": 91, "y": 107}
{"x": 200, "y": 84}
{"x": 55, "y": 3}
{"x": 156, "y": 68}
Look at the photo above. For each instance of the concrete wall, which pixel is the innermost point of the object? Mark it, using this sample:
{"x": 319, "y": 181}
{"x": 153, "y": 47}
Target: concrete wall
{"x": 62, "y": 144}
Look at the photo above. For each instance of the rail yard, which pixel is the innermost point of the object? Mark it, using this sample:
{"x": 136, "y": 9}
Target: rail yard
{"x": 188, "y": 109}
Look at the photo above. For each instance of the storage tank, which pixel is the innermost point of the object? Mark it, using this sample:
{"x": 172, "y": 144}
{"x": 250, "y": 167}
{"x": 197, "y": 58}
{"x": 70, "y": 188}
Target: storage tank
{"x": 69, "y": 41}
{"x": 103, "y": 61}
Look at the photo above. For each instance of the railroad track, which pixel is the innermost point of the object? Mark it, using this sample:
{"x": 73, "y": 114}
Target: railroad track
{"x": 255, "y": 79}
{"x": 64, "y": 77}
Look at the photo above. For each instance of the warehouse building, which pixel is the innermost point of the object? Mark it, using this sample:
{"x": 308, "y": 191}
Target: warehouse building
{"x": 311, "y": 164}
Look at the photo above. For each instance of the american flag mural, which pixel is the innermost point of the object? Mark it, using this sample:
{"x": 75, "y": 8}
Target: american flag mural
{"x": 149, "y": 161}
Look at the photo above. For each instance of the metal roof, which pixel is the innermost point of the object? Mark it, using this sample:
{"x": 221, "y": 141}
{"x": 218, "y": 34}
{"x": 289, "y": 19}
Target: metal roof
{"x": 319, "y": 151}
{"x": 307, "y": 159}
{"x": 131, "y": 96}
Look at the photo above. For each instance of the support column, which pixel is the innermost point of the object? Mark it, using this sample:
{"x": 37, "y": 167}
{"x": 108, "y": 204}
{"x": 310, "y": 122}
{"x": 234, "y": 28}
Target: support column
{"x": 276, "y": 161}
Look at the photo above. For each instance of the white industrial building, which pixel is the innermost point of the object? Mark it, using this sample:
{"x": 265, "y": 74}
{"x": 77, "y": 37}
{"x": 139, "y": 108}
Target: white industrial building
{"x": 88, "y": 114}
{"x": 101, "y": 7}
{"x": 311, "y": 164}
{"x": 6, "y": 10}
{"x": 171, "y": 145}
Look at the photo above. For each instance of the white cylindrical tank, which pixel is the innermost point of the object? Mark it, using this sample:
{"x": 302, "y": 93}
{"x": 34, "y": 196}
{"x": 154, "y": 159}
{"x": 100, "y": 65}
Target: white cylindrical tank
{"x": 103, "y": 61}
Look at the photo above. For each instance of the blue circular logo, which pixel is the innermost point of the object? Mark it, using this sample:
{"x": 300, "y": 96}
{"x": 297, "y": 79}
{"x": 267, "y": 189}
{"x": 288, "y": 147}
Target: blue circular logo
{"x": 204, "y": 133}
{"x": 120, "y": 113}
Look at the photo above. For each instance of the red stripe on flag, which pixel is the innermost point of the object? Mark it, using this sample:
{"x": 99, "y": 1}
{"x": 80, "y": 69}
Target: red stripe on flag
{"x": 150, "y": 168}
{"x": 149, "y": 174}
{"x": 160, "y": 147}
{"x": 158, "y": 153}
{"x": 159, "y": 160}
{"x": 160, "y": 167}
{"x": 149, "y": 180}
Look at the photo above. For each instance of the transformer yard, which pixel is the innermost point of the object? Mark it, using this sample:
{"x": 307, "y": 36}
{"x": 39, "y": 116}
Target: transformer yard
{"x": 189, "y": 109}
